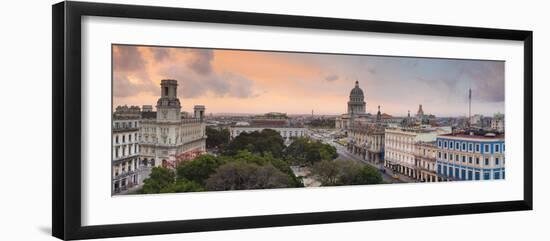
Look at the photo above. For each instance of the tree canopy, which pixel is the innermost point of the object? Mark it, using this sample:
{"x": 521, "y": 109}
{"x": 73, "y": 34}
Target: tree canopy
{"x": 282, "y": 165}
{"x": 159, "y": 178}
{"x": 258, "y": 160}
{"x": 198, "y": 169}
{"x": 340, "y": 172}
{"x": 242, "y": 175}
{"x": 216, "y": 138}
{"x": 266, "y": 141}
{"x": 305, "y": 151}
{"x": 244, "y": 170}
{"x": 322, "y": 123}
{"x": 182, "y": 186}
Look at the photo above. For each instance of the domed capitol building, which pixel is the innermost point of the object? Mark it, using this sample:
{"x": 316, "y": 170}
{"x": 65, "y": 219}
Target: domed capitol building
{"x": 357, "y": 108}
{"x": 356, "y": 103}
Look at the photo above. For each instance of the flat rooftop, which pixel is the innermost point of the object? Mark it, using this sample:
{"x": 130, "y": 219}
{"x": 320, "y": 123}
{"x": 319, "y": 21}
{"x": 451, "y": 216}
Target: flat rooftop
{"x": 474, "y": 135}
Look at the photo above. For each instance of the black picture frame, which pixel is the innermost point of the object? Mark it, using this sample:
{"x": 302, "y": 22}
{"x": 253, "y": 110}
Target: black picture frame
{"x": 66, "y": 153}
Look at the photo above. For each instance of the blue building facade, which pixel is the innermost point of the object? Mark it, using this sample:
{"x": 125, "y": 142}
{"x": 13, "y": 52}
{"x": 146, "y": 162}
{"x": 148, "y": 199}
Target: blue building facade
{"x": 470, "y": 157}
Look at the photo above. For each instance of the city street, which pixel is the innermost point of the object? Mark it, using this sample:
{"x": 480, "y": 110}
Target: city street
{"x": 344, "y": 154}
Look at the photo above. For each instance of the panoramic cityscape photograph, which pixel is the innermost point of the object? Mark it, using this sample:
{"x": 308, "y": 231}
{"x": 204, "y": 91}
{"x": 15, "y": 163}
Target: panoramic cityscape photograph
{"x": 201, "y": 119}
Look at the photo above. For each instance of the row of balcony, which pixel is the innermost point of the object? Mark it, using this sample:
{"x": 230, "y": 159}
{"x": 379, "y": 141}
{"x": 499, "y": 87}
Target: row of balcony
{"x": 125, "y": 129}
{"x": 125, "y": 158}
{"x": 124, "y": 174}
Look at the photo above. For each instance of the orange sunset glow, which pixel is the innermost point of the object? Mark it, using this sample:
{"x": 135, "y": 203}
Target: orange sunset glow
{"x": 242, "y": 81}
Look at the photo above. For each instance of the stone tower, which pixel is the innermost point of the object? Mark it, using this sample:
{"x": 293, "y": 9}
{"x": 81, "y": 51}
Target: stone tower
{"x": 168, "y": 105}
{"x": 420, "y": 112}
{"x": 378, "y": 116}
{"x": 199, "y": 112}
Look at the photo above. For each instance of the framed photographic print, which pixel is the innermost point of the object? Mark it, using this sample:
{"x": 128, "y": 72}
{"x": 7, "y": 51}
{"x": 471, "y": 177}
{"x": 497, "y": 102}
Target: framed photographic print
{"x": 169, "y": 120}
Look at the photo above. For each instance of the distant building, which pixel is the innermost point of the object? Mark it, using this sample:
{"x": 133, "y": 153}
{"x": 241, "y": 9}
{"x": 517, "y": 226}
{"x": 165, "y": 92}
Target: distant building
{"x": 470, "y": 156}
{"x": 125, "y": 149}
{"x": 147, "y": 108}
{"x": 275, "y": 121}
{"x": 400, "y": 147}
{"x": 497, "y": 123}
{"x": 383, "y": 118}
{"x": 409, "y": 121}
{"x": 422, "y": 118}
{"x": 420, "y": 113}
{"x": 486, "y": 122}
{"x": 477, "y": 120}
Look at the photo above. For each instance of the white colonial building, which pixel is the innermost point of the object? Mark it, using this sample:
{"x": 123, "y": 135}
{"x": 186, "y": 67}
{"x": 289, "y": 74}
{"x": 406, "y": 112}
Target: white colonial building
{"x": 400, "y": 146}
{"x": 145, "y": 138}
{"x": 167, "y": 136}
{"x": 275, "y": 121}
{"x": 125, "y": 154}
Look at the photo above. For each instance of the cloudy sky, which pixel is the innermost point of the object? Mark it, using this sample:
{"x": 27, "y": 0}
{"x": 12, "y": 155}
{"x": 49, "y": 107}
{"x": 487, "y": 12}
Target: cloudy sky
{"x": 236, "y": 81}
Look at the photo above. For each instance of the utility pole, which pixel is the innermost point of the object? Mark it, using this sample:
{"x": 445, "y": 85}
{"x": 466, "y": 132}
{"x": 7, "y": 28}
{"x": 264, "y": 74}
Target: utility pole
{"x": 470, "y": 108}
